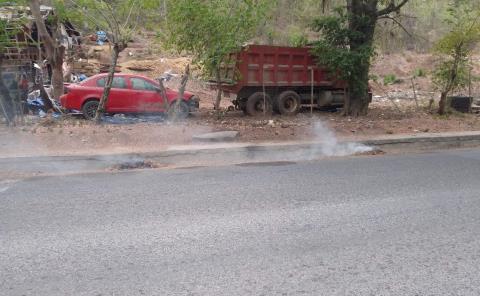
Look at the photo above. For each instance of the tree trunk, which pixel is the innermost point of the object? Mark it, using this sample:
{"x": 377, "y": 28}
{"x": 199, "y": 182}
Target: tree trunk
{"x": 108, "y": 85}
{"x": 175, "y": 112}
{"x": 362, "y": 19}
{"x": 57, "y": 73}
{"x": 183, "y": 83}
{"x": 442, "y": 105}
{"x": 54, "y": 50}
{"x": 359, "y": 98}
{"x": 163, "y": 93}
{"x": 219, "y": 90}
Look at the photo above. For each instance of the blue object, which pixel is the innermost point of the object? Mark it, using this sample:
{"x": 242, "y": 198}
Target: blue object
{"x": 36, "y": 105}
{"x": 132, "y": 119}
{"x": 82, "y": 77}
{"x": 101, "y": 37}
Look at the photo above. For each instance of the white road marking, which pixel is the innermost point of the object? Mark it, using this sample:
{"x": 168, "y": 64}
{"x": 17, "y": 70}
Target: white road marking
{"x": 6, "y": 184}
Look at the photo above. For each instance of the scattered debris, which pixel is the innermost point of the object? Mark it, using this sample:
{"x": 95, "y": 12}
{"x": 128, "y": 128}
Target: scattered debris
{"x": 140, "y": 68}
{"x": 132, "y": 165}
{"x": 224, "y": 136}
{"x": 374, "y": 151}
{"x": 461, "y": 103}
{"x": 132, "y": 119}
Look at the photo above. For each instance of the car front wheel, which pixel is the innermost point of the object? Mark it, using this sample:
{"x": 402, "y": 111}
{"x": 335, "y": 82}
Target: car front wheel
{"x": 179, "y": 110}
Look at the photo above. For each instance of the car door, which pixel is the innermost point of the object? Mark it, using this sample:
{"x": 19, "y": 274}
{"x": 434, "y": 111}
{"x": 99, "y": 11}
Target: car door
{"x": 146, "y": 96}
{"x": 118, "y": 99}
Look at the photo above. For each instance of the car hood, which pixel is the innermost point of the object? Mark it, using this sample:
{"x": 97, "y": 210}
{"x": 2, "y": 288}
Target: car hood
{"x": 186, "y": 95}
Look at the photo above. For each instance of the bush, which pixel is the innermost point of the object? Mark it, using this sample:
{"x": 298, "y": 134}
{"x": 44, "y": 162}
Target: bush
{"x": 390, "y": 79}
{"x": 373, "y": 77}
{"x": 296, "y": 37}
{"x": 419, "y": 72}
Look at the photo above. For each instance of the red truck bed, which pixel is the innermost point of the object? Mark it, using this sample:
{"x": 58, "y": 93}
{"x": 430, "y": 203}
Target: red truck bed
{"x": 264, "y": 65}
{"x": 266, "y": 78}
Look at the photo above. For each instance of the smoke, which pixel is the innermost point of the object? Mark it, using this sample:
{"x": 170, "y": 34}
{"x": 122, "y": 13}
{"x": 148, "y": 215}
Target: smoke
{"x": 327, "y": 144}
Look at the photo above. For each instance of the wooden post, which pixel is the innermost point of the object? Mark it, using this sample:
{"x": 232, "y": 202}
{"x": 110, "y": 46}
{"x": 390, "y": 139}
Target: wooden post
{"x": 311, "y": 97}
{"x": 415, "y": 93}
{"x": 264, "y": 93}
{"x": 470, "y": 81}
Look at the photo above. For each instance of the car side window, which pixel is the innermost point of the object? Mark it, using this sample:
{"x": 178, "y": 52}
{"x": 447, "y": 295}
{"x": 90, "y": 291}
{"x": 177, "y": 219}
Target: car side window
{"x": 118, "y": 82}
{"x": 142, "y": 84}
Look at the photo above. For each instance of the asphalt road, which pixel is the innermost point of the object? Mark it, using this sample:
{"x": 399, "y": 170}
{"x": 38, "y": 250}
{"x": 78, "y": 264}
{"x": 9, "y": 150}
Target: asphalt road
{"x": 388, "y": 225}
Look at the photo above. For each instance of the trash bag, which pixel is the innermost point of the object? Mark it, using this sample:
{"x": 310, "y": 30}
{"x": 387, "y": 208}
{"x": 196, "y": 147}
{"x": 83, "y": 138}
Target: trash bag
{"x": 36, "y": 105}
{"x": 101, "y": 37}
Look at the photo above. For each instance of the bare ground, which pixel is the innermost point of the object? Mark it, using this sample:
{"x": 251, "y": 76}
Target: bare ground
{"x": 77, "y": 136}
{"x": 393, "y": 111}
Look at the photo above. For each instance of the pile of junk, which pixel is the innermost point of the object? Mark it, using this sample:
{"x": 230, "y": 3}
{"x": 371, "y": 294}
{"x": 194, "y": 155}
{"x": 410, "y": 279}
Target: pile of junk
{"x": 40, "y": 101}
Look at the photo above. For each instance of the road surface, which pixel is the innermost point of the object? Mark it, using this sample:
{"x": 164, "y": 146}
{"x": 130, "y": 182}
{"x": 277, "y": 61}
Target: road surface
{"x": 388, "y": 225}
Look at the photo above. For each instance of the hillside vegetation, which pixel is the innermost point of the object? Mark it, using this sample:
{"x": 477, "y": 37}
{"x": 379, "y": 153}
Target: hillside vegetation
{"x": 422, "y": 20}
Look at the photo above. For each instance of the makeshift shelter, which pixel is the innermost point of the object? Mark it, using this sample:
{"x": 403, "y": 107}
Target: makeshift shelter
{"x": 24, "y": 47}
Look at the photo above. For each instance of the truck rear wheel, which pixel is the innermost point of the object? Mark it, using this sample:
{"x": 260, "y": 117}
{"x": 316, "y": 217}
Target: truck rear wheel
{"x": 288, "y": 103}
{"x": 259, "y": 104}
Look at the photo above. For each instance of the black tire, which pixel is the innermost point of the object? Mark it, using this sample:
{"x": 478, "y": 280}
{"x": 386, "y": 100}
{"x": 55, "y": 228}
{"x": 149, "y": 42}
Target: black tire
{"x": 179, "y": 110}
{"x": 288, "y": 103}
{"x": 89, "y": 109}
{"x": 255, "y": 104}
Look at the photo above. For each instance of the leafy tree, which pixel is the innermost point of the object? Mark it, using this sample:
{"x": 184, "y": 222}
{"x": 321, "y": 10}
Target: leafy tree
{"x": 454, "y": 49}
{"x": 346, "y": 46}
{"x": 210, "y": 29}
{"x": 120, "y": 19}
{"x": 52, "y": 43}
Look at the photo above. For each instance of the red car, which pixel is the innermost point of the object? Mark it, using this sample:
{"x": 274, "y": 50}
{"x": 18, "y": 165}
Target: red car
{"x": 129, "y": 94}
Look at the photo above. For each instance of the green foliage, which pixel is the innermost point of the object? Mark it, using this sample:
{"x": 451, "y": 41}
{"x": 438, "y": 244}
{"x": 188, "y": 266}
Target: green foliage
{"x": 373, "y": 77}
{"x": 210, "y": 29}
{"x": 296, "y": 37}
{"x": 453, "y": 50}
{"x": 423, "y": 19}
{"x": 390, "y": 79}
{"x": 14, "y": 26}
{"x": 450, "y": 75}
{"x": 419, "y": 72}
{"x": 120, "y": 19}
{"x": 334, "y": 49}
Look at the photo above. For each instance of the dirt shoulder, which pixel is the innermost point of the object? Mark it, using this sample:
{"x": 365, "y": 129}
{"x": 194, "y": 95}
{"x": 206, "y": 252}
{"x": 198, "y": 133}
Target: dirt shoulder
{"x": 75, "y": 136}
{"x": 392, "y": 112}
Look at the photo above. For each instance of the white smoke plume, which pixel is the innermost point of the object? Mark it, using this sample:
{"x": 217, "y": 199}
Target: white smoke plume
{"x": 327, "y": 144}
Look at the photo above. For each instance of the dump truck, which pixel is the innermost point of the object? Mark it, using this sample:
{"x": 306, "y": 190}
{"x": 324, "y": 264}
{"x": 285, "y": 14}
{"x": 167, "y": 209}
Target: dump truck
{"x": 284, "y": 79}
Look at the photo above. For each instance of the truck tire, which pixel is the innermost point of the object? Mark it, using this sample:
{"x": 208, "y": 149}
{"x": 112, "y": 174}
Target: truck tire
{"x": 255, "y": 104}
{"x": 89, "y": 109}
{"x": 288, "y": 103}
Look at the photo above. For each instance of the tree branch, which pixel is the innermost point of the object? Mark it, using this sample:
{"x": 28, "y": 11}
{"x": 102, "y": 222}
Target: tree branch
{"x": 391, "y": 7}
{"x": 49, "y": 42}
{"x": 398, "y": 23}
